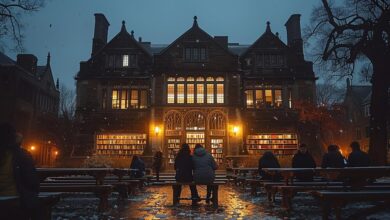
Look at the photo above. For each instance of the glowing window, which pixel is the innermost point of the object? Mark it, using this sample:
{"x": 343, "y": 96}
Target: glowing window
{"x": 220, "y": 93}
{"x": 289, "y": 99}
{"x": 268, "y": 97}
{"x": 249, "y": 98}
{"x": 210, "y": 93}
{"x": 134, "y": 99}
{"x": 210, "y": 79}
{"x": 200, "y": 93}
{"x": 125, "y": 60}
{"x": 171, "y": 93}
{"x": 171, "y": 79}
{"x": 124, "y": 101}
{"x": 259, "y": 98}
{"x": 190, "y": 93}
{"x": 143, "y": 99}
{"x": 220, "y": 79}
{"x": 180, "y": 79}
{"x": 115, "y": 99}
{"x": 278, "y": 98}
{"x": 190, "y": 79}
{"x": 199, "y": 79}
{"x": 180, "y": 93}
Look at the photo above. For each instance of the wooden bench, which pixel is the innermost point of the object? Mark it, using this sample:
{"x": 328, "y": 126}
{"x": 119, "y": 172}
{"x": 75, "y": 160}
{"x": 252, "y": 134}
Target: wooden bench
{"x": 288, "y": 192}
{"x": 336, "y": 200}
{"x": 10, "y": 205}
{"x": 214, "y": 196}
{"x": 101, "y": 191}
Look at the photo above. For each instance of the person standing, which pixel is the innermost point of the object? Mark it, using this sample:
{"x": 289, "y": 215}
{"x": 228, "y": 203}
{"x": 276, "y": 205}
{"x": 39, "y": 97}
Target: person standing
{"x": 18, "y": 175}
{"x": 357, "y": 158}
{"x": 204, "y": 169}
{"x": 333, "y": 158}
{"x": 157, "y": 164}
{"x": 184, "y": 167}
{"x": 268, "y": 160}
{"x": 303, "y": 159}
{"x": 139, "y": 167}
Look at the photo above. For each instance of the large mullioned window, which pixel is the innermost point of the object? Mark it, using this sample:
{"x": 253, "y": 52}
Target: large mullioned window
{"x": 195, "y": 90}
{"x": 264, "y": 98}
{"x": 124, "y": 98}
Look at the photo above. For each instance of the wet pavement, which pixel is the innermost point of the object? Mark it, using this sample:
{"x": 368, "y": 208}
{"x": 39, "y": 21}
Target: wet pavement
{"x": 155, "y": 202}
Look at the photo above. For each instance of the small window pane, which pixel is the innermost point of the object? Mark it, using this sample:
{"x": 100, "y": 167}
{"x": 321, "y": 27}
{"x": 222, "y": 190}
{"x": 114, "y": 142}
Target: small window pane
{"x": 210, "y": 79}
{"x": 171, "y": 93}
{"x": 203, "y": 54}
{"x": 195, "y": 54}
{"x": 125, "y": 61}
{"x": 180, "y": 79}
{"x": 190, "y": 93}
{"x": 134, "y": 99}
{"x": 278, "y": 98}
{"x": 171, "y": 79}
{"x": 187, "y": 55}
{"x": 220, "y": 93}
{"x": 259, "y": 59}
{"x": 124, "y": 100}
{"x": 220, "y": 79}
{"x": 268, "y": 97}
{"x": 210, "y": 93}
{"x": 200, "y": 93}
{"x": 199, "y": 79}
{"x": 249, "y": 98}
{"x": 259, "y": 98}
{"x": 180, "y": 93}
{"x": 144, "y": 99}
{"x": 115, "y": 99}
{"x": 190, "y": 79}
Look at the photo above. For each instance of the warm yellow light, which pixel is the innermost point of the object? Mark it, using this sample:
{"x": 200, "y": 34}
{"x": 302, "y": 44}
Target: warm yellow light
{"x": 235, "y": 130}
{"x": 56, "y": 153}
{"x": 32, "y": 148}
{"x": 157, "y": 130}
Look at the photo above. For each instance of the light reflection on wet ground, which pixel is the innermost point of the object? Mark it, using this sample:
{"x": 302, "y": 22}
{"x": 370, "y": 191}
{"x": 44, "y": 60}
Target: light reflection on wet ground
{"x": 156, "y": 203}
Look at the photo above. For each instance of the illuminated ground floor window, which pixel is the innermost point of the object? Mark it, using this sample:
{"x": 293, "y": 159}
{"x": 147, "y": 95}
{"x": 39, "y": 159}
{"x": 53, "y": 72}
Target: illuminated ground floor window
{"x": 120, "y": 144}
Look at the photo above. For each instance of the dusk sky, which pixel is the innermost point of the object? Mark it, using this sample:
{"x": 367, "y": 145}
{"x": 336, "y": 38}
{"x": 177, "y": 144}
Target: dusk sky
{"x": 65, "y": 28}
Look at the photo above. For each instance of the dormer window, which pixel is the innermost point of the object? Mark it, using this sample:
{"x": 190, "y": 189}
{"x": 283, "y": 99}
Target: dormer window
{"x": 125, "y": 61}
{"x": 195, "y": 54}
{"x": 270, "y": 60}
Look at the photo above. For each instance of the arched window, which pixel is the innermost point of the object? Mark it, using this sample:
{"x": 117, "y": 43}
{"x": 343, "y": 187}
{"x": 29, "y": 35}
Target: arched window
{"x": 217, "y": 121}
{"x": 173, "y": 121}
{"x": 195, "y": 121}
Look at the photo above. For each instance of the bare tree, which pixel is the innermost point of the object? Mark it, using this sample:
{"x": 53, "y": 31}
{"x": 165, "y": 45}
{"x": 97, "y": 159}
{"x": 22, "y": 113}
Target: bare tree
{"x": 328, "y": 94}
{"x": 11, "y": 25}
{"x": 67, "y": 103}
{"x": 347, "y": 32}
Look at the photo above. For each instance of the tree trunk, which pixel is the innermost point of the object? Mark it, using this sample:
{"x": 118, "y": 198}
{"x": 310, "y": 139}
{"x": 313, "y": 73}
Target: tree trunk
{"x": 378, "y": 119}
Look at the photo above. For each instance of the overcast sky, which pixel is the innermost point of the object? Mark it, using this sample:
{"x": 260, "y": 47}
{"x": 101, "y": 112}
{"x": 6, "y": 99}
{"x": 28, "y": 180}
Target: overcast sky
{"x": 65, "y": 27}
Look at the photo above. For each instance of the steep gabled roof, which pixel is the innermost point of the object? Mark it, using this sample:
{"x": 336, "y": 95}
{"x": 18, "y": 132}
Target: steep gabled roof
{"x": 195, "y": 27}
{"x": 123, "y": 34}
{"x": 267, "y": 40}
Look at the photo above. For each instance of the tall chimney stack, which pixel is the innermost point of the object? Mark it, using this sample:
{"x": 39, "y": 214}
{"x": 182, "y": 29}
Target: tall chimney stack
{"x": 28, "y": 62}
{"x": 100, "y": 34}
{"x": 294, "y": 38}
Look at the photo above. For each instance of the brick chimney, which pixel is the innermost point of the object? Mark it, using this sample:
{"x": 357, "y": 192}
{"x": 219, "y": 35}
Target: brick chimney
{"x": 294, "y": 38}
{"x": 100, "y": 33}
{"x": 28, "y": 62}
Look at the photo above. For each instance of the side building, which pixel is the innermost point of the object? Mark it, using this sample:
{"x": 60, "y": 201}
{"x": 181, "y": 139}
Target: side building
{"x": 30, "y": 100}
{"x": 237, "y": 100}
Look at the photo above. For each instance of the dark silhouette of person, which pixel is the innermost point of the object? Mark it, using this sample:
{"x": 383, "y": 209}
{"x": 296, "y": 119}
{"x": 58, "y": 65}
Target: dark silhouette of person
{"x": 357, "y": 158}
{"x": 268, "y": 160}
{"x": 139, "y": 167}
{"x": 18, "y": 176}
{"x": 157, "y": 163}
{"x": 333, "y": 158}
{"x": 303, "y": 159}
{"x": 184, "y": 167}
{"x": 204, "y": 169}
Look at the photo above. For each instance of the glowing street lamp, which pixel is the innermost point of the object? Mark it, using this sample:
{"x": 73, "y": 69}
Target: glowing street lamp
{"x": 157, "y": 130}
{"x": 32, "y": 148}
{"x": 235, "y": 130}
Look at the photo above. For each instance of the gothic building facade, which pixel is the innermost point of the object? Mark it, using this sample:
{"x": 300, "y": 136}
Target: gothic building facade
{"x": 236, "y": 100}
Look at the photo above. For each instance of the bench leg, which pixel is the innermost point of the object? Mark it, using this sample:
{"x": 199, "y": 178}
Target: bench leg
{"x": 103, "y": 200}
{"x": 215, "y": 196}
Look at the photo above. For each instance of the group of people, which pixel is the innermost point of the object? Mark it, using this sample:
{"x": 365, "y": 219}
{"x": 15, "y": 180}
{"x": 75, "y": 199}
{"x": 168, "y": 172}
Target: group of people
{"x": 303, "y": 159}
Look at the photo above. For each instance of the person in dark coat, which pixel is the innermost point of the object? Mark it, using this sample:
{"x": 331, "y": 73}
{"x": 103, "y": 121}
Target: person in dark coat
{"x": 204, "y": 168}
{"x": 333, "y": 158}
{"x": 184, "y": 166}
{"x": 268, "y": 160}
{"x": 18, "y": 175}
{"x": 303, "y": 159}
{"x": 139, "y": 167}
{"x": 357, "y": 158}
{"x": 157, "y": 163}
